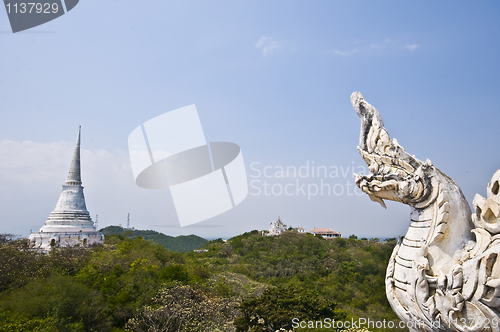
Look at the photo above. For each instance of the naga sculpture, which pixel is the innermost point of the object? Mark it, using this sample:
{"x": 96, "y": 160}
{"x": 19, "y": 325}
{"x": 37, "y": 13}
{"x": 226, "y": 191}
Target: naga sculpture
{"x": 445, "y": 273}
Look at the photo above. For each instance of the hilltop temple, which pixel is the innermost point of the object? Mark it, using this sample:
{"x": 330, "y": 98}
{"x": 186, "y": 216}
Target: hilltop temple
{"x": 276, "y": 228}
{"x": 70, "y": 223}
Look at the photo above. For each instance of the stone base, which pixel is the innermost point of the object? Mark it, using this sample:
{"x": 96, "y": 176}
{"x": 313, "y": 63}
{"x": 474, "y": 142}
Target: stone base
{"x": 46, "y": 240}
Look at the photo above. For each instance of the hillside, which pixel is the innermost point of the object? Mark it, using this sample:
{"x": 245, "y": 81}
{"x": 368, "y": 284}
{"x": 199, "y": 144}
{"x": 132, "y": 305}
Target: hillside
{"x": 249, "y": 283}
{"x": 350, "y": 272}
{"x": 183, "y": 243}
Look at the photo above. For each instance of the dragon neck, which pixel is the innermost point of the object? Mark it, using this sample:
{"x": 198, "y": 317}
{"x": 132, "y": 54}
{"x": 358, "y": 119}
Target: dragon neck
{"x": 441, "y": 223}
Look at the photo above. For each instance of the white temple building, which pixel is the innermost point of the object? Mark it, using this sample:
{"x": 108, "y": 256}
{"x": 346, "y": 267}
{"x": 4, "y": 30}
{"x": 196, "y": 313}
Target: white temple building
{"x": 276, "y": 228}
{"x": 70, "y": 223}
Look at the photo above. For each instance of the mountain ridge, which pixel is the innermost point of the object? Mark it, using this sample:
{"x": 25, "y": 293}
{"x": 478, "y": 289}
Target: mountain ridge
{"x": 181, "y": 243}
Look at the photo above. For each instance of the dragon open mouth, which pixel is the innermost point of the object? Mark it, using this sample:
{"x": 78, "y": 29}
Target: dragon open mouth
{"x": 395, "y": 174}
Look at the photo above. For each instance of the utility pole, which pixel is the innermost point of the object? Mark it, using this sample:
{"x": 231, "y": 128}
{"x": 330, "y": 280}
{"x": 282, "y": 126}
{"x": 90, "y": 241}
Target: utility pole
{"x": 128, "y": 221}
{"x": 96, "y": 221}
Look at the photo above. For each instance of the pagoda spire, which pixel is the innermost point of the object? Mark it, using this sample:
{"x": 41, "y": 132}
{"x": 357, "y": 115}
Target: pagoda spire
{"x": 74, "y": 176}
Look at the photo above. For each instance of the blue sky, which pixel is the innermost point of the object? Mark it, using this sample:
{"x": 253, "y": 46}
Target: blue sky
{"x": 274, "y": 77}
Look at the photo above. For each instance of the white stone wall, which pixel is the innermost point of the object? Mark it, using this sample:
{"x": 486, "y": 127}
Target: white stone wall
{"x": 42, "y": 240}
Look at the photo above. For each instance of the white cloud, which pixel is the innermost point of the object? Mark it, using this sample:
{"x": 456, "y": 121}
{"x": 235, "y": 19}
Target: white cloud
{"x": 34, "y": 162}
{"x": 262, "y": 41}
{"x": 351, "y": 52}
{"x": 31, "y": 175}
{"x": 386, "y": 46}
{"x": 269, "y": 45}
{"x": 411, "y": 47}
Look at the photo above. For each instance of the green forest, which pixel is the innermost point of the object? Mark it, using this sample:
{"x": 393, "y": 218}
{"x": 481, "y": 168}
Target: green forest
{"x": 247, "y": 283}
{"x": 183, "y": 243}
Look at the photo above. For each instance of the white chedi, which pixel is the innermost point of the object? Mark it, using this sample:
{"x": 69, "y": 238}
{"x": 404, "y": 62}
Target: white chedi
{"x": 70, "y": 223}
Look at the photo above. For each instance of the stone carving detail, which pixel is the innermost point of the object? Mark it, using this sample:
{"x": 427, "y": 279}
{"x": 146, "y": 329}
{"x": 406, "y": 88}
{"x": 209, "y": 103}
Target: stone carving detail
{"x": 445, "y": 273}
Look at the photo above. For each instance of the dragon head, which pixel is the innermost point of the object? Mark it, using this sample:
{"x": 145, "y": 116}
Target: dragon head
{"x": 396, "y": 175}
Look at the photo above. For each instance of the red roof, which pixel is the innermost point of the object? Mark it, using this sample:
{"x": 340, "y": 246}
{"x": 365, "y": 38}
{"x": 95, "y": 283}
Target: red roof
{"x": 324, "y": 231}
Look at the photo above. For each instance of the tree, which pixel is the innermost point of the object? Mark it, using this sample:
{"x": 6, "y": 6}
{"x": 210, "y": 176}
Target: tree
{"x": 70, "y": 305}
{"x": 4, "y": 238}
{"x": 14, "y": 322}
{"x": 277, "y": 306}
{"x": 183, "y": 308}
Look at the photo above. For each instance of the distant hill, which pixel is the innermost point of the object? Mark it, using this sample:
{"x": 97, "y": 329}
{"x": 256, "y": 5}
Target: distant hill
{"x": 182, "y": 243}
